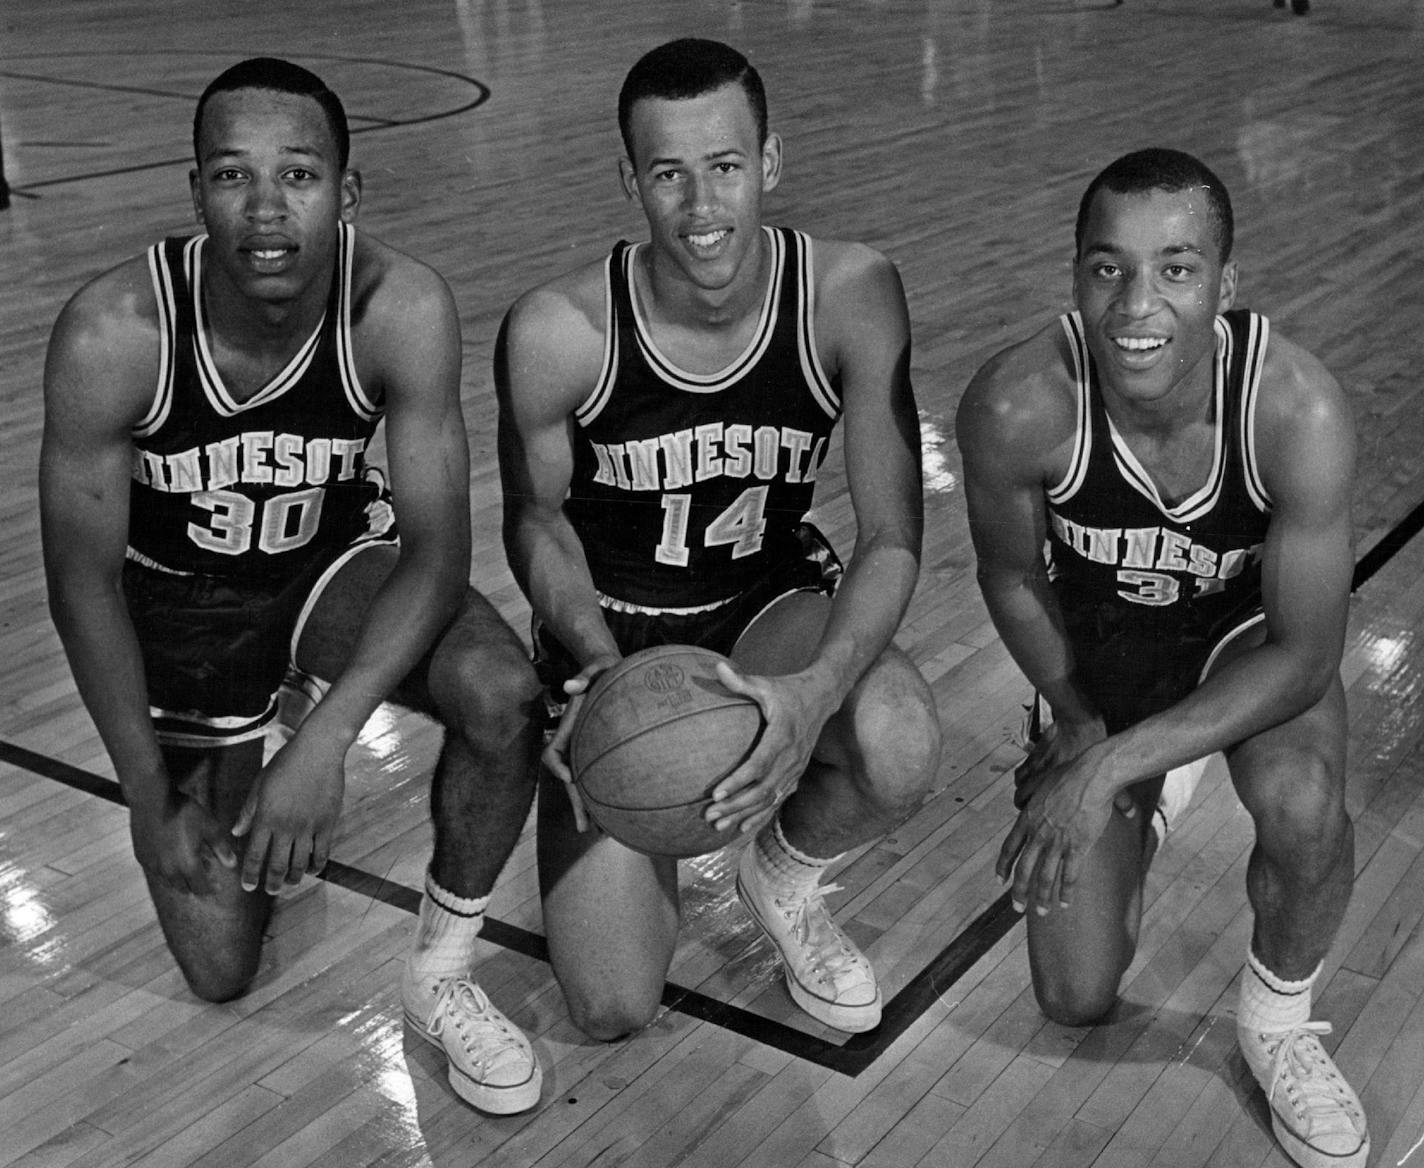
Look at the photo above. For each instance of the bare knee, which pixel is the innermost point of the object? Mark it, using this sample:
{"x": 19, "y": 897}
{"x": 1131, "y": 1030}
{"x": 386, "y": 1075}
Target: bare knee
{"x": 1296, "y": 800}
{"x": 609, "y": 1016}
{"x": 1081, "y": 1005}
{"x": 219, "y": 985}
{"x": 897, "y": 738}
{"x": 1078, "y": 994}
{"x": 490, "y": 697}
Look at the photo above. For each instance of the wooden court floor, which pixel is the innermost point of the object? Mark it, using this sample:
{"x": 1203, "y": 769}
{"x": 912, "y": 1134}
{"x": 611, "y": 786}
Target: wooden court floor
{"x": 955, "y": 135}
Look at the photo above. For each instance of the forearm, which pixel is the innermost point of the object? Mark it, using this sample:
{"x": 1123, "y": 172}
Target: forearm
{"x": 548, "y": 561}
{"x": 868, "y": 607}
{"x": 1028, "y": 620}
{"x": 1262, "y": 688}
{"x": 408, "y": 612}
{"x": 104, "y": 656}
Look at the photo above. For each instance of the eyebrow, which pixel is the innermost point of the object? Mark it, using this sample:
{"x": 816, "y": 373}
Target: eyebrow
{"x": 237, "y": 152}
{"x": 670, "y": 160}
{"x": 1172, "y": 249}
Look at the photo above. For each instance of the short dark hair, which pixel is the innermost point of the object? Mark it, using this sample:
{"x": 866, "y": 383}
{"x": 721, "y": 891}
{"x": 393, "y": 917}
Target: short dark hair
{"x": 1160, "y": 169}
{"x": 685, "y": 68}
{"x": 283, "y": 77}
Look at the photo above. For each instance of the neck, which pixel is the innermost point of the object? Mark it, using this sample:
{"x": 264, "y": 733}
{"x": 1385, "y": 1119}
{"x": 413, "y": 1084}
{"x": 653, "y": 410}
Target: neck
{"x": 679, "y": 301}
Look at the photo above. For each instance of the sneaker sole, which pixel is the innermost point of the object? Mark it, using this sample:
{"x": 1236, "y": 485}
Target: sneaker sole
{"x": 1308, "y": 1157}
{"x": 851, "y": 1019}
{"x": 496, "y": 1100}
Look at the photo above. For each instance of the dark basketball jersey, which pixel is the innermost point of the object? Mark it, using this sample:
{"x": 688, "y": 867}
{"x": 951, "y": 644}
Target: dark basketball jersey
{"x": 249, "y": 489}
{"x": 1127, "y": 563}
{"x": 687, "y": 487}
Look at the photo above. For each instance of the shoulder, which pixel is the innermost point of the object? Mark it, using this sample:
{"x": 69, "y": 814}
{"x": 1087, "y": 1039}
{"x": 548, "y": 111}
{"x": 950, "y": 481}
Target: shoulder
{"x": 106, "y": 342}
{"x": 553, "y": 335}
{"x": 1023, "y": 400}
{"x": 1303, "y": 416}
{"x": 850, "y": 275}
{"x": 391, "y": 291}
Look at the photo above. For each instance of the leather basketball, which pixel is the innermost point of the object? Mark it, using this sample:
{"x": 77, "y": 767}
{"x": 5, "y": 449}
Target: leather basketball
{"x": 654, "y": 736}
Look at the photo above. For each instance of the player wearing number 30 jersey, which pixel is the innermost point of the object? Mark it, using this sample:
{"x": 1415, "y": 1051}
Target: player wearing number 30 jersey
{"x": 251, "y": 488}
{"x": 687, "y": 488}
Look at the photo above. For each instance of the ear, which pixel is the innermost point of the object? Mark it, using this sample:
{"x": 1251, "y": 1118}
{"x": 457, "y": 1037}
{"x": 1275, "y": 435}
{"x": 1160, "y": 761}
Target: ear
{"x": 350, "y": 195}
{"x": 1227, "y": 295}
{"x": 195, "y": 191}
{"x": 628, "y": 179}
{"x": 771, "y": 162}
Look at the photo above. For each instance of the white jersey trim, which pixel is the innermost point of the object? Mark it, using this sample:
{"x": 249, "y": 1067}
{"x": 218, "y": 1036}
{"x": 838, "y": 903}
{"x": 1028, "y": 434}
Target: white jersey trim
{"x": 680, "y": 378}
{"x": 1257, "y": 339}
{"x": 821, "y": 387}
{"x": 361, "y": 403}
{"x": 214, "y": 389}
{"x": 593, "y": 404}
{"x": 1077, "y": 470}
{"x": 166, "y": 300}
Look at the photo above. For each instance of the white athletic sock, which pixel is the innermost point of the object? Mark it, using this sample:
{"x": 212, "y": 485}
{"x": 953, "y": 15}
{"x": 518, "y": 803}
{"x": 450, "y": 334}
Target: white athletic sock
{"x": 444, "y": 944}
{"x": 1269, "y": 1005}
{"x": 786, "y": 871}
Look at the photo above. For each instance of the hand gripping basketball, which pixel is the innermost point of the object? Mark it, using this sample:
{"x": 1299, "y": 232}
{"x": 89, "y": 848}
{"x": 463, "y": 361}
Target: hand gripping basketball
{"x": 656, "y": 733}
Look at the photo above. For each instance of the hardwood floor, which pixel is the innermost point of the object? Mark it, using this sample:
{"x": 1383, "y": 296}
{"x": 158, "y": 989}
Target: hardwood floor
{"x": 955, "y": 135}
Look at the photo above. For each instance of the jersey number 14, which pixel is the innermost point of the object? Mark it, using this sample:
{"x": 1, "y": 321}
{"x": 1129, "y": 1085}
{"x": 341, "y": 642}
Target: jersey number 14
{"x": 742, "y": 525}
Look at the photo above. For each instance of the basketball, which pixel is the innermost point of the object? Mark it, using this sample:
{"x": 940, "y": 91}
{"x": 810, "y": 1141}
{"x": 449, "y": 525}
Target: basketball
{"x": 654, "y": 736}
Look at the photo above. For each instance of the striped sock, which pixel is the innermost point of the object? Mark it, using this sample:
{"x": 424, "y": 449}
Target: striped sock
{"x": 444, "y": 944}
{"x": 786, "y": 871}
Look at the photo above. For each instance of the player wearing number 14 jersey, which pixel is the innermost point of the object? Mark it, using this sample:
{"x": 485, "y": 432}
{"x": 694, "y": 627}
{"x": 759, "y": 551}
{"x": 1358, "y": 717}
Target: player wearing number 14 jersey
{"x": 664, "y": 415}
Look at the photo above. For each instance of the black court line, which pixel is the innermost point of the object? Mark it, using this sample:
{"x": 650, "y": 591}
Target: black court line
{"x": 849, "y": 1057}
{"x": 373, "y": 122}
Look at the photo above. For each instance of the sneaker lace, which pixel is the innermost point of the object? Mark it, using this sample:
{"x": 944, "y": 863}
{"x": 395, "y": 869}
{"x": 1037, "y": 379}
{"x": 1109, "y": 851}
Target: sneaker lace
{"x": 483, "y": 1031}
{"x": 1304, "y": 1074}
{"x": 817, "y": 933}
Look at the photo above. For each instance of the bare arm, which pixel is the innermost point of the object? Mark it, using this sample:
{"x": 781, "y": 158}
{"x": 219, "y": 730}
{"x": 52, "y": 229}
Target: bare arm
{"x": 407, "y": 340}
{"x": 547, "y": 356}
{"x": 863, "y": 326}
{"x": 100, "y": 373}
{"x": 1012, "y": 427}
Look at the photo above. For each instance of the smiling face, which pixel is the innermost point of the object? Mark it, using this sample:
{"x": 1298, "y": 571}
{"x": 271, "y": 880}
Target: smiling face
{"x": 1149, "y": 282}
{"x": 699, "y": 173}
{"x": 270, "y": 191}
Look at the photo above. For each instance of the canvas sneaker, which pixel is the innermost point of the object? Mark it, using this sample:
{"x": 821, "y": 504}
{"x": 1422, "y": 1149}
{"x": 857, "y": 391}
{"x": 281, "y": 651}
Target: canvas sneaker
{"x": 827, "y": 975}
{"x": 1315, "y": 1114}
{"x": 492, "y": 1065}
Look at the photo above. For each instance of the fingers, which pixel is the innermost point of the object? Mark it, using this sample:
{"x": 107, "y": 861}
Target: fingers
{"x": 257, "y": 846}
{"x": 576, "y": 803}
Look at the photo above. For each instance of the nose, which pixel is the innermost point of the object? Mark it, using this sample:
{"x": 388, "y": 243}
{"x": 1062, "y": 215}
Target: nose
{"x": 1139, "y": 294}
{"x": 266, "y": 200}
{"x": 697, "y": 194}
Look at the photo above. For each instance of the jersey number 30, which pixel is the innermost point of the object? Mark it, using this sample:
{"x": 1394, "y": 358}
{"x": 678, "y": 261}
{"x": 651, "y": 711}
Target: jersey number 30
{"x": 288, "y": 521}
{"x": 741, "y": 525}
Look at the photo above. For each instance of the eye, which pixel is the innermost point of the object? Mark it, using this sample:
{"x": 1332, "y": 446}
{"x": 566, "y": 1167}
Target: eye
{"x": 301, "y": 174}
{"x": 1179, "y": 272}
{"x": 227, "y": 174}
{"x": 1106, "y": 271}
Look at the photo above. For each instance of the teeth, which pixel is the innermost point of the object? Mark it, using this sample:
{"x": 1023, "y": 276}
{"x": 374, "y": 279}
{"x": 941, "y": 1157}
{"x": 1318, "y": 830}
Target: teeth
{"x": 706, "y": 240}
{"x": 269, "y": 253}
{"x": 1139, "y": 344}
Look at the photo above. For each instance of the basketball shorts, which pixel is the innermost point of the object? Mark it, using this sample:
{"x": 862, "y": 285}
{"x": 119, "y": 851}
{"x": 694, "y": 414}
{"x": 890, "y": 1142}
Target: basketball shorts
{"x": 714, "y": 627}
{"x": 215, "y": 651}
{"x": 1131, "y": 676}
